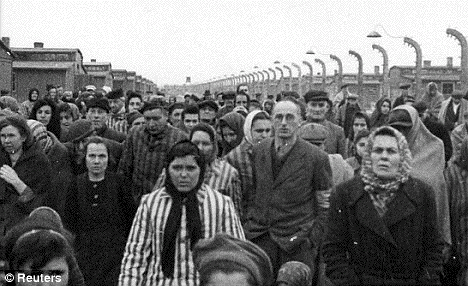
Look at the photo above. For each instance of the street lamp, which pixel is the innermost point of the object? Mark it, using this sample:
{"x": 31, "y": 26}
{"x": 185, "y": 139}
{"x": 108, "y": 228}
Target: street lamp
{"x": 311, "y": 81}
{"x": 268, "y": 81}
{"x": 324, "y": 73}
{"x": 340, "y": 69}
{"x": 274, "y": 78}
{"x": 281, "y": 78}
{"x": 299, "y": 77}
{"x": 290, "y": 76}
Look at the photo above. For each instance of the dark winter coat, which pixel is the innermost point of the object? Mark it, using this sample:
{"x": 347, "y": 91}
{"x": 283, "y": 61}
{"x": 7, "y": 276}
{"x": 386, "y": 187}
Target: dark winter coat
{"x": 404, "y": 247}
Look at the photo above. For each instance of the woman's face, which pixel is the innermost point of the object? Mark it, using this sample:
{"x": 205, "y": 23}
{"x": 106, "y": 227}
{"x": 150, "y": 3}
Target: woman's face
{"x": 385, "y": 157}
{"x": 44, "y": 114}
{"x": 261, "y": 129}
{"x": 97, "y": 158}
{"x": 11, "y": 139}
{"x": 385, "y": 108}
{"x": 204, "y": 144}
{"x": 65, "y": 119}
{"x": 34, "y": 95}
{"x": 361, "y": 146}
{"x": 184, "y": 173}
{"x": 358, "y": 125}
{"x": 56, "y": 269}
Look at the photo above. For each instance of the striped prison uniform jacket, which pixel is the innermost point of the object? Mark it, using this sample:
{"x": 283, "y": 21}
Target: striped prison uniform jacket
{"x": 118, "y": 122}
{"x": 141, "y": 264}
{"x": 220, "y": 176}
{"x": 144, "y": 156}
{"x": 241, "y": 159}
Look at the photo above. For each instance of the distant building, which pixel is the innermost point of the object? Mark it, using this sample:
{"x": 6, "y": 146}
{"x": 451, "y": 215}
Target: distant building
{"x": 131, "y": 81}
{"x": 120, "y": 78}
{"x": 446, "y": 77}
{"x": 100, "y": 73}
{"x": 37, "y": 67}
{"x": 6, "y": 66}
{"x": 138, "y": 83}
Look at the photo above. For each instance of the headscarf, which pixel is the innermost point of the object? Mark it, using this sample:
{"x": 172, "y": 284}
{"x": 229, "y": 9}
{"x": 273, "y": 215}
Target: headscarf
{"x": 39, "y": 132}
{"x": 382, "y": 191}
{"x": 235, "y": 121}
{"x": 248, "y": 124}
{"x": 189, "y": 199}
{"x": 295, "y": 273}
{"x": 429, "y": 159}
{"x": 378, "y": 118}
{"x": 213, "y": 138}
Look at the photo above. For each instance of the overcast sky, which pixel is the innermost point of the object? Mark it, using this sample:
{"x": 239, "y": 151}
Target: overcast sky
{"x": 165, "y": 41}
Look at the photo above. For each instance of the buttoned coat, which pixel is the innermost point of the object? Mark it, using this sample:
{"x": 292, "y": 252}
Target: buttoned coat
{"x": 404, "y": 247}
{"x": 286, "y": 207}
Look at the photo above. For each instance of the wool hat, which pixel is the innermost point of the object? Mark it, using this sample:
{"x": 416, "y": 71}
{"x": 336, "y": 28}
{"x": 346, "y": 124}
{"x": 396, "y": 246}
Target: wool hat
{"x": 315, "y": 95}
{"x": 457, "y": 94}
{"x": 223, "y": 247}
{"x": 116, "y": 93}
{"x": 313, "y": 132}
{"x": 132, "y": 116}
{"x": 102, "y": 103}
{"x": 227, "y": 95}
{"x": 295, "y": 273}
{"x": 400, "y": 117}
{"x": 39, "y": 132}
{"x": 79, "y": 130}
{"x": 208, "y": 103}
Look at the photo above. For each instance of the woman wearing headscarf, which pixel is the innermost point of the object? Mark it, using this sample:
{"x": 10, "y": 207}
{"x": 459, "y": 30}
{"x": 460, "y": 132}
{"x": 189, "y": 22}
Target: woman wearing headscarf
{"x": 26, "y": 106}
{"x": 219, "y": 174}
{"x": 232, "y": 131}
{"x": 380, "y": 114}
{"x": 382, "y": 227}
{"x": 171, "y": 220}
{"x": 429, "y": 159}
{"x": 456, "y": 176}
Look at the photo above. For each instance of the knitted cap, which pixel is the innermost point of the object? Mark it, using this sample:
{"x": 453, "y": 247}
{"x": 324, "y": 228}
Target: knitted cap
{"x": 313, "y": 132}
{"x": 224, "y": 247}
{"x": 39, "y": 132}
{"x": 102, "y": 103}
{"x": 79, "y": 130}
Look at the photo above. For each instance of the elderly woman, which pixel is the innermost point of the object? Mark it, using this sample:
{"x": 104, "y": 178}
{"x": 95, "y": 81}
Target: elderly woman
{"x": 99, "y": 210}
{"x": 172, "y": 219}
{"x": 25, "y": 172}
{"x": 383, "y": 227}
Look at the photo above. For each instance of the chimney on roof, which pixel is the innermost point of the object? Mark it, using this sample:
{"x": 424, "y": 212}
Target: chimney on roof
{"x": 38, "y": 45}
{"x": 6, "y": 41}
{"x": 377, "y": 70}
{"x": 427, "y": 64}
{"x": 450, "y": 62}
{"x": 93, "y": 60}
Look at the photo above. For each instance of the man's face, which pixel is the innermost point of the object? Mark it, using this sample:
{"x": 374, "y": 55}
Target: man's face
{"x": 286, "y": 119}
{"x": 316, "y": 110}
{"x": 207, "y": 115}
{"x": 359, "y": 124}
{"x": 176, "y": 116}
{"x": 204, "y": 144}
{"x": 244, "y": 89}
{"x": 134, "y": 104}
{"x": 456, "y": 100}
{"x": 116, "y": 105}
{"x": 190, "y": 120}
{"x": 156, "y": 120}
{"x": 241, "y": 100}
{"x": 60, "y": 92}
{"x": 229, "y": 102}
{"x": 53, "y": 93}
{"x": 97, "y": 116}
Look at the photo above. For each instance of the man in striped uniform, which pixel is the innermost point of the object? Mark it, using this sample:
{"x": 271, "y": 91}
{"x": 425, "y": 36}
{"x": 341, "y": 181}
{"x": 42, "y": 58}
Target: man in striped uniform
{"x": 145, "y": 149}
{"x": 117, "y": 111}
{"x": 172, "y": 219}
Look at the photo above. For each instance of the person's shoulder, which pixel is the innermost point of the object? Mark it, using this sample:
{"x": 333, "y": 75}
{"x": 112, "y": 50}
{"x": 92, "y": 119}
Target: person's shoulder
{"x": 418, "y": 189}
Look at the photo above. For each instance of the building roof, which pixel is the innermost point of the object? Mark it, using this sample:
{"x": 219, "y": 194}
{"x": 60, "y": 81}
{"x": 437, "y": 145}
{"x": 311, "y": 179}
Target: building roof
{"x": 435, "y": 77}
{"x": 42, "y": 65}
{"x": 96, "y": 63}
{"x": 8, "y": 50}
{"x": 431, "y": 67}
{"x": 47, "y": 50}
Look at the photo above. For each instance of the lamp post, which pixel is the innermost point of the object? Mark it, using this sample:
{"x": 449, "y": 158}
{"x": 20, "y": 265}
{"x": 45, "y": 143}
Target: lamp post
{"x": 290, "y": 76}
{"x": 324, "y": 73}
{"x": 299, "y": 77}
{"x": 386, "y": 83}
{"x": 280, "y": 83}
{"x": 274, "y": 79}
{"x": 311, "y": 80}
{"x": 360, "y": 70}
{"x": 268, "y": 81}
{"x": 464, "y": 57}
{"x": 417, "y": 76}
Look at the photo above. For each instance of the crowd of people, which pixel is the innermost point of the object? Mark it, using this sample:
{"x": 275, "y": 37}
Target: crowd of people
{"x": 106, "y": 187}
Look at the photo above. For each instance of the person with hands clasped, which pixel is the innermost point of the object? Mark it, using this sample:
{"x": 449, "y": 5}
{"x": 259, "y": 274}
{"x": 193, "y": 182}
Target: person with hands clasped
{"x": 24, "y": 173}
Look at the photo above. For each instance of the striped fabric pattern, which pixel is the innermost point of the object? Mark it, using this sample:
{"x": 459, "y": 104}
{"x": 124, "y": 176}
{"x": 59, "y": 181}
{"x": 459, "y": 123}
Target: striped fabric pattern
{"x": 118, "y": 123}
{"x": 241, "y": 159}
{"x": 144, "y": 157}
{"x": 457, "y": 187}
{"x": 220, "y": 176}
{"x": 141, "y": 264}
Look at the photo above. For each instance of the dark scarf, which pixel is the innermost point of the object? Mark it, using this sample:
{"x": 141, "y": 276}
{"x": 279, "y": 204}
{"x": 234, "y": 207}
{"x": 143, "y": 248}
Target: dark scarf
{"x": 173, "y": 222}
